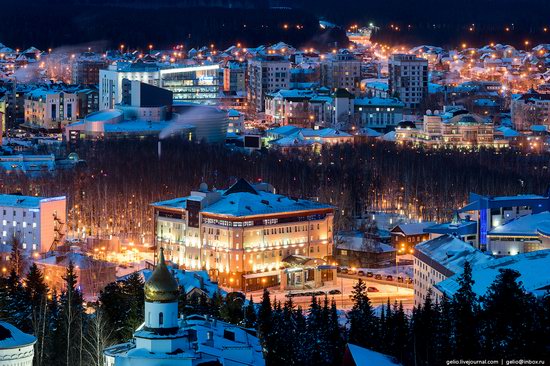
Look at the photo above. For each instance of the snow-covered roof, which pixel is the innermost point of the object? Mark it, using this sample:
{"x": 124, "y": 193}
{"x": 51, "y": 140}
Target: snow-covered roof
{"x": 379, "y": 102}
{"x": 241, "y": 200}
{"x": 533, "y": 269}
{"x": 366, "y": 357}
{"x": 17, "y": 201}
{"x": 528, "y": 225}
{"x": 413, "y": 228}
{"x": 11, "y": 337}
{"x": 451, "y": 252}
{"x": 79, "y": 260}
{"x": 355, "y": 241}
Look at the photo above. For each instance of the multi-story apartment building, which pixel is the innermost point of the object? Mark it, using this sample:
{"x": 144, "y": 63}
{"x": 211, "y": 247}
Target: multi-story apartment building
{"x": 408, "y": 79}
{"x": 242, "y": 235}
{"x": 50, "y": 109}
{"x": 234, "y": 73}
{"x": 438, "y": 259}
{"x": 266, "y": 74}
{"x": 195, "y": 84}
{"x": 342, "y": 71}
{"x": 289, "y": 107}
{"x": 530, "y": 109}
{"x": 85, "y": 68}
{"x": 38, "y": 223}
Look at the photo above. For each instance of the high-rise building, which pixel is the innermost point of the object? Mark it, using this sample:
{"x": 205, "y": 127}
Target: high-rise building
{"x": 408, "y": 79}
{"x": 85, "y": 68}
{"x": 243, "y": 234}
{"x": 342, "y": 71}
{"x": 266, "y": 74}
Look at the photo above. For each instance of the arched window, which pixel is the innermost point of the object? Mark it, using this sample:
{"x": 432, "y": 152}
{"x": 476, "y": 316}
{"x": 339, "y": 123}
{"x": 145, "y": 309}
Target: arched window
{"x": 161, "y": 318}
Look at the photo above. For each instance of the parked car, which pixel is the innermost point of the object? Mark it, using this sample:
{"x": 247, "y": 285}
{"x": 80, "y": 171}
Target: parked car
{"x": 338, "y": 269}
{"x": 344, "y": 270}
{"x": 389, "y": 278}
{"x": 334, "y": 292}
{"x": 409, "y": 280}
{"x": 372, "y": 289}
{"x": 351, "y": 272}
{"x": 361, "y": 273}
{"x": 400, "y": 279}
{"x": 378, "y": 276}
{"x": 370, "y": 274}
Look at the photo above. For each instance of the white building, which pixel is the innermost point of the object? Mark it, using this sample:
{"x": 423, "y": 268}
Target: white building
{"x": 38, "y": 222}
{"x": 438, "y": 259}
{"x": 532, "y": 267}
{"x": 16, "y": 347}
{"x": 164, "y": 339}
{"x": 266, "y": 74}
{"x": 408, "y": 79}
{"x": 196, "y": 84}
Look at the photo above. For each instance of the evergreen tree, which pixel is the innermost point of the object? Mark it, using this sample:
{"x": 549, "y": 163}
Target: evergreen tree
{"x": 363, "y": 323}
{"x": 424, "y": 331}
{"x": 265, "y": 317}
{"x": 465, "y": 310}
{"x": 36, "y": 292}
{"x": 250, "y": 316}
{"x": 335, "y": 338}
{"x": 121, "y": 303}
{"x": 231, "y": 309}
{"x": 70, "y": 326}
{"x": 508, "y": 319}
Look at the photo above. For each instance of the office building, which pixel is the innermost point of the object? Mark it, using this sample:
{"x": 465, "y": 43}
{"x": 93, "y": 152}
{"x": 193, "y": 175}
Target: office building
{"x": 243, "y": 234}
{"x": 192, "y": 84}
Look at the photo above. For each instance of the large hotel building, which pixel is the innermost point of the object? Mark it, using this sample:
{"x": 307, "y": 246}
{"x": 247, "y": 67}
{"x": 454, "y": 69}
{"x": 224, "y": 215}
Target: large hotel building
{"x": 247, "y": 236}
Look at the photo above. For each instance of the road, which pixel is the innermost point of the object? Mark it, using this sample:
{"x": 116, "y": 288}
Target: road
{"x": 386, "y": 289}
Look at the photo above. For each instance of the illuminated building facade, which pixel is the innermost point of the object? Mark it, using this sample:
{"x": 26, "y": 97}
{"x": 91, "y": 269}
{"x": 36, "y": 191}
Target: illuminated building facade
{"x": 194, "y": 84}
{"x": 38, "y": 222}
{"x": 266, "y": 74}
{"x": 408, "y": 79}
{"x": 49, "y": 109}
{"x": 242, "y": 235}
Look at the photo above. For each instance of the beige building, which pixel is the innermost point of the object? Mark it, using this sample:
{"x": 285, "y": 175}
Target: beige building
{"x": 342, "y": 71}
{"x": 49, "y": 109}
{"x": 243, "y": 235}
{"x": 460, "y": 131}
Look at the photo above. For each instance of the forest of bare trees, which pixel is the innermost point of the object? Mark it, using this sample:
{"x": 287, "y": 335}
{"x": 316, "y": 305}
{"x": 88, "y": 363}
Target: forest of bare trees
{"x": 113, "y": 193}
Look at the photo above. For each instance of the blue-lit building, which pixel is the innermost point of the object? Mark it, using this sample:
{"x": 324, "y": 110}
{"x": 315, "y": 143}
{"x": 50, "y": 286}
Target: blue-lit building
{"x": 485, "y": 220}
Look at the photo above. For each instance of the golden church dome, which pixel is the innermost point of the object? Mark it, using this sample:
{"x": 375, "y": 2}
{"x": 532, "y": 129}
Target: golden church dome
{"x": 161, "y": 286}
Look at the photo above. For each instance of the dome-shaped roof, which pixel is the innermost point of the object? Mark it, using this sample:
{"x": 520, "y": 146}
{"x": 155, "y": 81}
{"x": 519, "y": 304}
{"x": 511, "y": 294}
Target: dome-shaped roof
{"x": 467, "y": 118}
{"x": 161, "y": 286}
